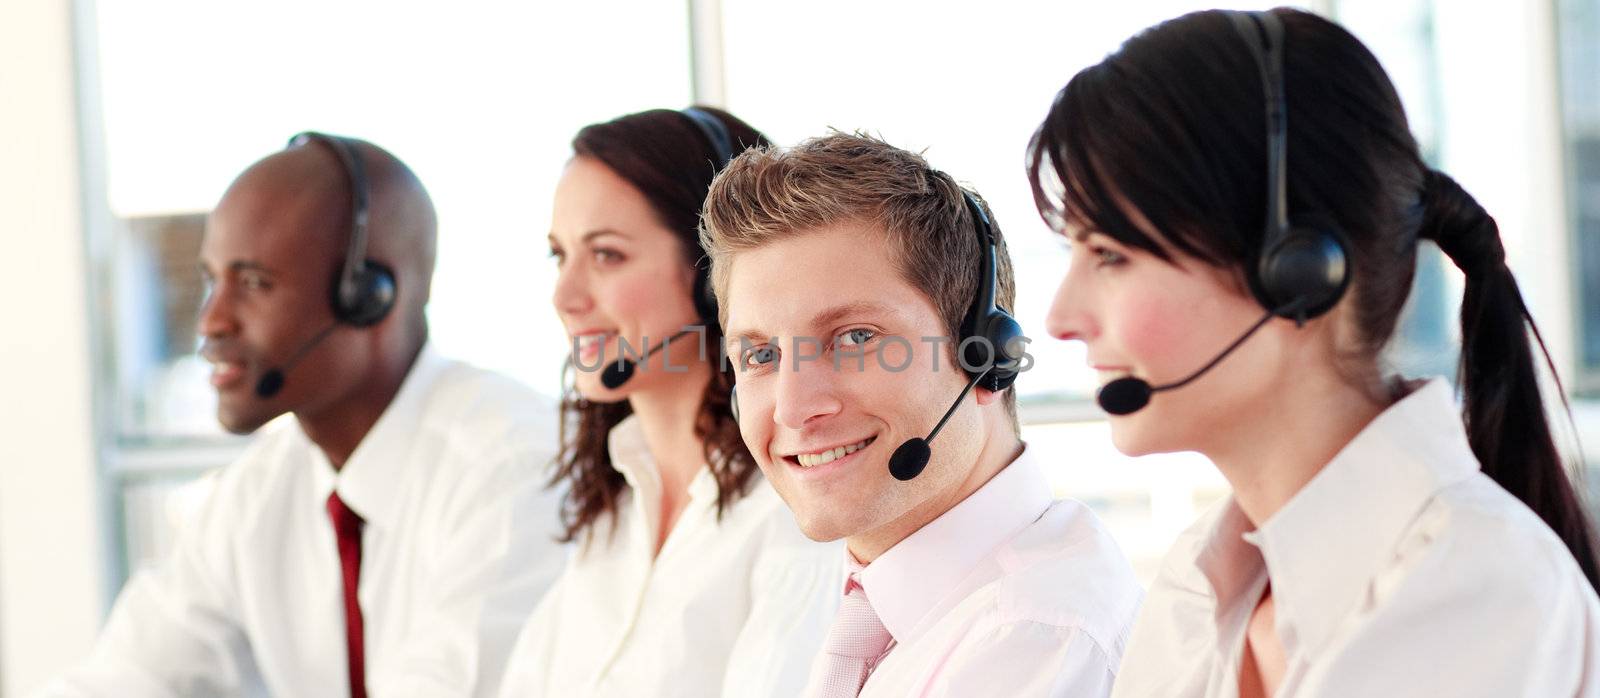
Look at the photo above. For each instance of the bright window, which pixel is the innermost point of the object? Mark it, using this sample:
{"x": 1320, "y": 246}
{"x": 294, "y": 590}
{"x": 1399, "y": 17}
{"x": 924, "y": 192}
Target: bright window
{"x": 1579, "y": 27}
{"x": 482, "y": 97}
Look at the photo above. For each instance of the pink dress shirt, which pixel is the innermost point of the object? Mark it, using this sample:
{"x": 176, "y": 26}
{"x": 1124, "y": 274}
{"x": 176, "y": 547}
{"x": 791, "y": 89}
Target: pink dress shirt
{"x": 1009, "y": 593}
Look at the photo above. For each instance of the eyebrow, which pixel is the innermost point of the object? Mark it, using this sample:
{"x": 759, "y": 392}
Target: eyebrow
{"x": 239, "y": 265}
{"x": 249, "y": 265}
{"x": 826, "y": 317}
{"x": 602, "y": 232}
{"x": 591, "y": 235}
{"x": 844, "y": 310}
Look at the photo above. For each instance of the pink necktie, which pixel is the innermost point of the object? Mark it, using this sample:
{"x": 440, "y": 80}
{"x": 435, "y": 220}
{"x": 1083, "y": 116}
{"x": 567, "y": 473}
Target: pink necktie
{"x": 855, "y": 643}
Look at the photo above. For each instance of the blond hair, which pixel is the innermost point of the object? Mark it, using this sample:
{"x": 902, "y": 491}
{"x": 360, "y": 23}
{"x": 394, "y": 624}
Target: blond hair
{"x": 770, "y": 194}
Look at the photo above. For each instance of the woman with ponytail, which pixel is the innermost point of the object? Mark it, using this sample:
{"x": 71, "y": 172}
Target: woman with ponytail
{"x": 1380, "y": 538}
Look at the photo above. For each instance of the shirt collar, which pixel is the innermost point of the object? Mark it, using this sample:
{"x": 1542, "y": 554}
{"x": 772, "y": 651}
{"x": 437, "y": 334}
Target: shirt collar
{"x": 630, "y": 455}
{"x": 1333, "y": 536}
{"x": 368, "y": 482}
{"x": 910, "y": 579}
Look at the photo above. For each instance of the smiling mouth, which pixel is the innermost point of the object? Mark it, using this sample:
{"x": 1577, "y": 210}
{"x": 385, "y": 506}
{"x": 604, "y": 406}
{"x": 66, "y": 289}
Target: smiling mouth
{"x": 590, "y": 344}
{"x": 1104, "y": 375}
{"x": 1107, "y": 377}
{"x": 809, "y": 460}
{"x": 225, "y": 374}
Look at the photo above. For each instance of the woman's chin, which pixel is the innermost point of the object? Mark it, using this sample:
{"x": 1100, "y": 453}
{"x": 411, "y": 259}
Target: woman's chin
{"x": 1131, "y": 435}
{"x": 589, "y": 387}
{"x": 652, "y": 379}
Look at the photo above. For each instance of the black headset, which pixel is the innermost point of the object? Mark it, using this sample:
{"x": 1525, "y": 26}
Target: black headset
{"x": 1303, "y": 269}
{"x": 993, "y": 351}
{"x": 364, "y": 290}
{"x": 721, "y": 142}
{"x": 989, "y": 333}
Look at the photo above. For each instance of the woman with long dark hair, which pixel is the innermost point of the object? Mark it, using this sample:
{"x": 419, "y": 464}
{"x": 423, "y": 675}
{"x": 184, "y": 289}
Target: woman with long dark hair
{"x": 1379, "y": 540}
{"x": 689, "y": 577}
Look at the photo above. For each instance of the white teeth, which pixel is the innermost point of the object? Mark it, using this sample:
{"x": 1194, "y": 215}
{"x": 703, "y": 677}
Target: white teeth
{"x": 1108, "y": 376}
{"x": 808, "y": 460}
{"x": 587, "y": 342}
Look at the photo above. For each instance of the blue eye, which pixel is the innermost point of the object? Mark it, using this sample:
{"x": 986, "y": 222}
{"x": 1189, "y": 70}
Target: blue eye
{"x": 756, "y": 357}
{"x": 855, "y": 337}
{"x": 1107, "y": 258}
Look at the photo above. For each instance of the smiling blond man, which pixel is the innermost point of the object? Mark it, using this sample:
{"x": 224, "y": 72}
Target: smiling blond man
{"x": 847, "y": 270}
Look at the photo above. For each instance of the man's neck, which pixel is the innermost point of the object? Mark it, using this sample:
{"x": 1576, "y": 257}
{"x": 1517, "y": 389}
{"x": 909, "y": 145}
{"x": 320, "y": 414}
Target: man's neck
{"x": 1001, "y": 447}
{"x": 337, "y": 429}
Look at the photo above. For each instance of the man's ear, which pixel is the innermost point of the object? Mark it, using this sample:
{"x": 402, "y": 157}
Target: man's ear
{"x": 987, "y": 396}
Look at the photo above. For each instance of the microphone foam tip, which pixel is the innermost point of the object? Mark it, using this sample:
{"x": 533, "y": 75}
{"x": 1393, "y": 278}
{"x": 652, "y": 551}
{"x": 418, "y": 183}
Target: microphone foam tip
{"x": 909, "y": 460}
{"x": 271, "y": 382}
{"x": 1124, "y": 396}
{"x": 616, "y": 374}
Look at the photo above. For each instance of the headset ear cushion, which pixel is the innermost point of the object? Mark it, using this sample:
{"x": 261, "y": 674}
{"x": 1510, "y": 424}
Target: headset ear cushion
{"x": 368, "y": 298}
{"x": 1305, "y": 274}
{"x": 1006, "y": 333}
{"x": 999, "y": 346}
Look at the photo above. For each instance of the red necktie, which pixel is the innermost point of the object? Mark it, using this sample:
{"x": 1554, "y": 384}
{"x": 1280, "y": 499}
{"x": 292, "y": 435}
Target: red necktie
{"x": 347, "y": 529}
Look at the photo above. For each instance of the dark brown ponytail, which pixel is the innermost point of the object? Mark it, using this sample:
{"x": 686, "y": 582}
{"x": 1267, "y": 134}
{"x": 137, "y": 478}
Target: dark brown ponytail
{"x": 1171, "y": 126}
{"x": 1503, "y": 410}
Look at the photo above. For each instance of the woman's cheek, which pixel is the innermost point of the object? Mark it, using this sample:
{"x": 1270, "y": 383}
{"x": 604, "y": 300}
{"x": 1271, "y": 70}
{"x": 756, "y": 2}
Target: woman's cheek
{"x": 1158, "y": 333}
{"x": 647, "y": 301}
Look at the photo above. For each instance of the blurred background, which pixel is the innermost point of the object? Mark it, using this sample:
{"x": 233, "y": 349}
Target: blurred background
{"x": 121, "y": 123}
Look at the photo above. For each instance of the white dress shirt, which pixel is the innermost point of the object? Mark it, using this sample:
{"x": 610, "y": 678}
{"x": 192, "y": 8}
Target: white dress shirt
{"x": 1006, "y": 594}
{"x": 735, "y": 606}
{"x": 456, "y": 550}
{"x": 1400, "y": 569}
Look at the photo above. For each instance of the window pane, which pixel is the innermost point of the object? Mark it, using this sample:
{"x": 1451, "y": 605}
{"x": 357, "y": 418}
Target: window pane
{"x": 1400, "y": 33}
{"x": 1579, "y": 35}
{"x": 969, "y": 87}
{"x": 481, "y": 98}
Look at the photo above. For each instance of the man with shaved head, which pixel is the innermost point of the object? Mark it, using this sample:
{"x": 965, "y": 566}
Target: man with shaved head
{"x": 392, "y": 536}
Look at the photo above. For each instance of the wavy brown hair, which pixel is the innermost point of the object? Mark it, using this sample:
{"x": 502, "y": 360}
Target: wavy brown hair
{"x": 670, "y": 160}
